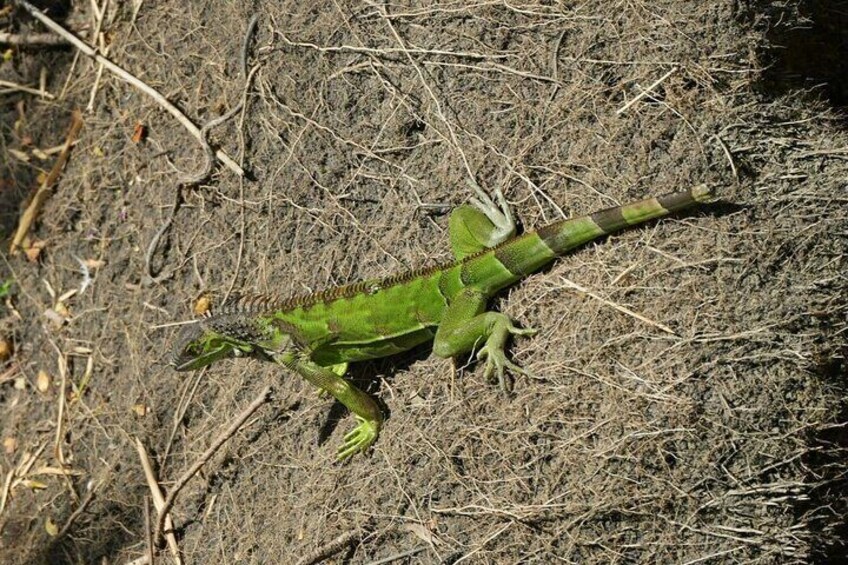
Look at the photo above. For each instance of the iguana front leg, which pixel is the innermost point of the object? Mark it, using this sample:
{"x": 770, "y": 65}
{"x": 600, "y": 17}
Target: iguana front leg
{"x": 466, "y": 324}
{"x": 367, "y": 413}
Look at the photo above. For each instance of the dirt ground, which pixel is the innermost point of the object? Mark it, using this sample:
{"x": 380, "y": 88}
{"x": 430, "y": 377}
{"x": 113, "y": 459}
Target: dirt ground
{"x": 687, "y": 405}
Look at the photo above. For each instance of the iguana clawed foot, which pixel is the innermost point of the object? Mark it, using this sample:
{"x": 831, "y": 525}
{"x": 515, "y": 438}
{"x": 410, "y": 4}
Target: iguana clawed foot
{"x": 359, "y": 439}
{"x": 500, "y": 214}
{"x": 496, "y": 359}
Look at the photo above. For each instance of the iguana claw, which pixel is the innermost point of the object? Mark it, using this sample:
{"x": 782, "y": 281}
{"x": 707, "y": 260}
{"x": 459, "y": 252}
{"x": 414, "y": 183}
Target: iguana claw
{"x": 359, "y": 439}
{"x": 498, "y": 213}
{"x": 497, "y": 362}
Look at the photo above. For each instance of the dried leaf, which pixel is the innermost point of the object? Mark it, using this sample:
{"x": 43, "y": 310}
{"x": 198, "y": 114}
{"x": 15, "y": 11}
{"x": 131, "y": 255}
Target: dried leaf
{"x": 62, "y": 310}
{"x": 49, "y": 287}
{"x": 32, "y": 254}
{"x": 20, "y": 383}
{"x": 94, "y": 263}
{"x": 55, "y": 318}
{"x": 19, "y": 155}
{"x": 65, "y": 296}
{"x": 9, "y": 445}
{"x": 422, "y": 532}
{"x": 34, "y": 485}
{"x": 51, "y": 527}
{"x": 139, "y": 133}
{"x": 33, "y": 251}
{"x": 46, "y": 470}
{"x": 202, "y": 305}
{"x": 7, "y": 348}
{"x": 140, "y": 409}
{"x": 42, "y": 381}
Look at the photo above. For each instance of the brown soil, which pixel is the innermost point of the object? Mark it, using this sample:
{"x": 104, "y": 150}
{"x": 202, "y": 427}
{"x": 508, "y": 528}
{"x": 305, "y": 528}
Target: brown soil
{"x": 722, "y": 443}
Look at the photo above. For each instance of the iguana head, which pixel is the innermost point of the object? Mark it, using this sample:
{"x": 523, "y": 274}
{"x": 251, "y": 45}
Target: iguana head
{"x": 201, "y": 344}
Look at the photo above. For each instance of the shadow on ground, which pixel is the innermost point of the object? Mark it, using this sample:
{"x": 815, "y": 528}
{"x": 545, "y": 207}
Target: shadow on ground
{"x": 808, "y": 50}
{"x": 807, "y": 53}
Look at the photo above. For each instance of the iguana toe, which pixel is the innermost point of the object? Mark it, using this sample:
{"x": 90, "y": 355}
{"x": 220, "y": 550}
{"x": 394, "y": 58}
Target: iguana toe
{"x": 359, "y": 439}
{"x": 497, "y": 364}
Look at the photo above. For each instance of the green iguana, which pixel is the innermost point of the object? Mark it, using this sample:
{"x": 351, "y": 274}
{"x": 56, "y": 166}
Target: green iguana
{"x": 317, "y": 335}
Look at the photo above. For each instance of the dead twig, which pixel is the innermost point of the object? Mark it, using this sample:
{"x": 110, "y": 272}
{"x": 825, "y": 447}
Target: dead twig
{"x": 158, "y": 499}
{"x": 382, "y": 51}
{"x": 99, "y": 39}
{"x": 32, "y": 39}
{"x": 60, "y": 417}
{"x": 7, "y": 487}
{"x": 331, "y": 548}
{"x": 13, "y": 86}
{"x": 29, "y": 215}
{"x": 646, "y": 91}
{"x": 126, "y": 76}
{"x": 728, "y": 155}
{"x": 149, "y": 278}
{"x": 209, "y": 158}
{"x": 78, "y": 512}
{"x": 148, "y": 531}
{"x": 397, "y": 556}
{"x": 840, "y": 151}
{"x": 189, "y": 474}
{"x": 619, "y": 307}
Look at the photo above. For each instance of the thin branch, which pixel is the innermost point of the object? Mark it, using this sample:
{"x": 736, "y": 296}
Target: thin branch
{"x": 208, "y": 155}
{"x": 19, "y": 87}
{"x": 148, "y": 531}
{"x": 618, "y": 307}
{"x": 398, "y": 556}
{"x": 90, "y": 51}
{"x": 29, "y": 215}
{"x": 438, "y": 106}
{"x": 60, "y": 417}
{"x": 728, "y": 155}
{"x": 77, "y": 513}
{"x": 158, "y": 499}
{"x": 646, "y": 91}
{"x": 331, "y": 548}
{"x": 383, "y": 50}
{"x": 189, "y": 474}
{"x": 149, "y": 278}
{"x": 32, "y": 39}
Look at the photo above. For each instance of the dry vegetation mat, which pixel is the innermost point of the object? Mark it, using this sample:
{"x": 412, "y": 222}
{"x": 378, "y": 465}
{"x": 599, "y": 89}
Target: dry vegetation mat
{"x": 688, "y": 399}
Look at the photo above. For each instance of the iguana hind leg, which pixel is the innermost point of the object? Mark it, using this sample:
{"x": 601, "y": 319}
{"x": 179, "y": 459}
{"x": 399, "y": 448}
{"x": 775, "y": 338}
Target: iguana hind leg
{"x": 483, "y": 225}
{"x": 367, "y": 413}
{"x": 466, "y": 325}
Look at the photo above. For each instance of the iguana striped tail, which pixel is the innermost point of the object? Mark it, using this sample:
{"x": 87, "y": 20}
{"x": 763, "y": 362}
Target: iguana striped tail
{"x": 505, "y": 264}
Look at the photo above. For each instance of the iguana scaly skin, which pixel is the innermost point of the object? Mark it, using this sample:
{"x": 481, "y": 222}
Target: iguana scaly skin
{"x": 317, "y": 335}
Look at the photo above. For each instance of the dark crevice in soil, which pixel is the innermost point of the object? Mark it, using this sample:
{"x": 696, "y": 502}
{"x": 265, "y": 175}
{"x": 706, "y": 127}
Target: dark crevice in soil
{"x": 807, "y": 49}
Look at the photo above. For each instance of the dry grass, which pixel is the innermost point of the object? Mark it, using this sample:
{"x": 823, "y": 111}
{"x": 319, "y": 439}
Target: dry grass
{"x": 689, "y": 399}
